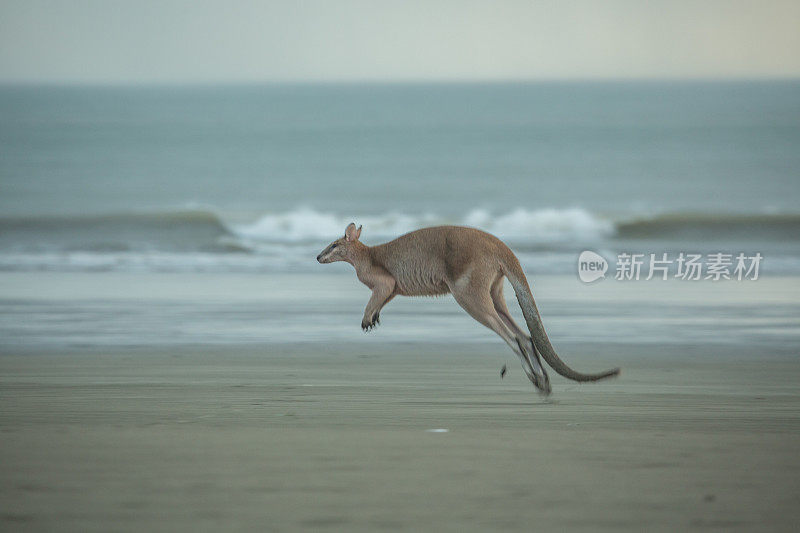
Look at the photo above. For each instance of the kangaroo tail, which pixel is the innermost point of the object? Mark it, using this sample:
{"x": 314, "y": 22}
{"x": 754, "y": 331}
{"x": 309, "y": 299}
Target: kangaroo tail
{"x": 540, "y": 340}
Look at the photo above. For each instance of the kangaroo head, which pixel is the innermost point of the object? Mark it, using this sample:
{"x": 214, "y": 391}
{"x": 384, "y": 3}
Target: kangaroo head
{"x": 339, "y": 249}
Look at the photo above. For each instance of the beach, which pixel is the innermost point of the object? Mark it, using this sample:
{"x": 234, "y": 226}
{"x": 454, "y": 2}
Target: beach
{"x": 320, "y": 437}
{"x": 173, "y": 357}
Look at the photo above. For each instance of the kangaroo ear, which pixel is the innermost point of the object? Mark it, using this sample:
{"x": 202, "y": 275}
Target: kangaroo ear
{"x": 351, "y": 233}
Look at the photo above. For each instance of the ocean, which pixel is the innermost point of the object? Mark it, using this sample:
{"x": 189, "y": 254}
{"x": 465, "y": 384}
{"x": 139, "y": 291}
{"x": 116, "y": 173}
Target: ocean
{"x": 173, "y": 357}
{"x": 153, "y": 188}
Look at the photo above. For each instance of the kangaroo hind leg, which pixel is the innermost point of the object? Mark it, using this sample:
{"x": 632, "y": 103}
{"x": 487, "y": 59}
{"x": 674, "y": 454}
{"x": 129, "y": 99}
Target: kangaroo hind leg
{"x": 473, "y": 294}
{"x": 525, "y": 342}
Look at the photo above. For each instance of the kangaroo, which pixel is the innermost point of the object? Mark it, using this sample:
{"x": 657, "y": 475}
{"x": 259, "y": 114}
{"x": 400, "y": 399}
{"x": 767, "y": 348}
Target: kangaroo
{"x": 468, "y": 263}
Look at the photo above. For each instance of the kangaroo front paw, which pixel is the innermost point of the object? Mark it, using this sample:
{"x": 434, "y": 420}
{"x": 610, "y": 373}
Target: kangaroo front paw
{"x": 369, "y": 325}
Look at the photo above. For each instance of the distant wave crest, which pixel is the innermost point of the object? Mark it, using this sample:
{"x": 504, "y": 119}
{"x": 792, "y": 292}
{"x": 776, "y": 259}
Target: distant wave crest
{"x": 201, "y": 239}
{"x": 715, "y": 226}
{"x": 530, "y": 226}
{"x": 197, "y": 218}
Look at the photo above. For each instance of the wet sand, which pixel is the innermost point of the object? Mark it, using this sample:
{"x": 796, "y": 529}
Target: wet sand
{"x": 307, "y": 437}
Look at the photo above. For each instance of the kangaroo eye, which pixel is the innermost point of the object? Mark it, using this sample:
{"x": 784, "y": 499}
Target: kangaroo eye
{"x": 334, "y": 246}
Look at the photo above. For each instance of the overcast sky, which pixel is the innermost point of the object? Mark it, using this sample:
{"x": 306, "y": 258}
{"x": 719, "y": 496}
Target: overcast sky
{"x": 147, "y": 41}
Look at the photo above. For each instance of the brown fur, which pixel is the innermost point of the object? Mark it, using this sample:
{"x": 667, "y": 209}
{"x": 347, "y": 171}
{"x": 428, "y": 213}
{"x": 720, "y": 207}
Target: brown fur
{"x": 466, "y": 262}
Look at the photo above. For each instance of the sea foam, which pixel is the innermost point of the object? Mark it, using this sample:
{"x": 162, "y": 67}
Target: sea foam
{"x": 520, "y": 225}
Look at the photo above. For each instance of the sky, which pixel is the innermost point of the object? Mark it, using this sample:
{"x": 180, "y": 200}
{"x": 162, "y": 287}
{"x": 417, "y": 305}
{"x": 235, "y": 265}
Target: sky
{"x": 176, "y": 41}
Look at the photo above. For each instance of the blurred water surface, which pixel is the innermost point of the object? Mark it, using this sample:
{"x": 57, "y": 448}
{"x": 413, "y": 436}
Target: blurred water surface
{"x": 180, "y": 215}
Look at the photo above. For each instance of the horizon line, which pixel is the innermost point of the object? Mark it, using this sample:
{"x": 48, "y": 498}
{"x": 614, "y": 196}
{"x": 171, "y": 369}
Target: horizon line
{"x": 399, "y": 81}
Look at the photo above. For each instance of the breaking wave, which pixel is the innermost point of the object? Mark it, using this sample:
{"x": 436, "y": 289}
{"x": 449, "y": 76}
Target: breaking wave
{"x": 196, "y": 218}
{"x": 538, "y": 226}
{"x": 205, "y": 240}
{"x": 712, "y": 226}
